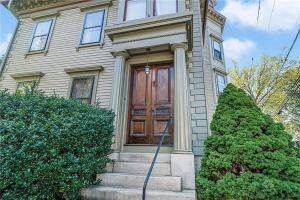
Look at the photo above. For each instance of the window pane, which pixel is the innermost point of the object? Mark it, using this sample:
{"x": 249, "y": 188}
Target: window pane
{"x": 217, "y": 55}
{"x": 217, "y": 50}
{"x": 221, "y": 81}
{"x": 38, "y": 43}
{"x": 43, "y": 28}
{"x": 82, "y": 88}
{"x": 217, "y": 46}
{"x": 136, "y": 9}
{"x": 94, "y": 19}
{"x": 91, "y": 35}
{"x": 165, "y": 7}
{"x": 25, "y": 87}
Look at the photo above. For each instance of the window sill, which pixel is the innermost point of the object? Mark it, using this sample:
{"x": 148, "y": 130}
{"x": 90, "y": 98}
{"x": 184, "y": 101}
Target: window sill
{"x": 100, "y": 44}
{"x": 219, "y": 60}
{"x": 36, "y": 52}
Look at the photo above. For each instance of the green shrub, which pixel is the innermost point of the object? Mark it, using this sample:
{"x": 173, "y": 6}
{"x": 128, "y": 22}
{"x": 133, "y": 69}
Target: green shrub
{"x": 248, "y": 155}
{"x": 51, "y": 147}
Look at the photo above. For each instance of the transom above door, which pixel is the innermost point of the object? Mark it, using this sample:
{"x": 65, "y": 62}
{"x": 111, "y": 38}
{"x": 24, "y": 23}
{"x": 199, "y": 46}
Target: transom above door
{"x": 151, "y": 104}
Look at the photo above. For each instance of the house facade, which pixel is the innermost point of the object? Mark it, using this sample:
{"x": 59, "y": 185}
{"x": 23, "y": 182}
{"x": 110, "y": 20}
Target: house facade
{"x": 149, "y": 61}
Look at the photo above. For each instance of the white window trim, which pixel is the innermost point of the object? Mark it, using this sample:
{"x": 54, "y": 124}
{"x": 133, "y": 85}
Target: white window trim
{"x": 36, "y": 21}
{"x": 213, "y": 49}
{"x": 102, "y": 39}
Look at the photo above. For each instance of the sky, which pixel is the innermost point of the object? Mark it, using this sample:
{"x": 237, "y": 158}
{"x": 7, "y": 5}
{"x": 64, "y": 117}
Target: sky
{"x": 245, "y": 38}
{"x": 7, "y": 27}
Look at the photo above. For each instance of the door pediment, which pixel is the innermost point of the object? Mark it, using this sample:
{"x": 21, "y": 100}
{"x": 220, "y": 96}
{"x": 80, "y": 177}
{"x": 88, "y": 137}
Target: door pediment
{"x": 156, "y": 31}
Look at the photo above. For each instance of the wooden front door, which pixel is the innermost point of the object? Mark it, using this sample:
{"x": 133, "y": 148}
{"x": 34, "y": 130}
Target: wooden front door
{"x": 151, "y": 104}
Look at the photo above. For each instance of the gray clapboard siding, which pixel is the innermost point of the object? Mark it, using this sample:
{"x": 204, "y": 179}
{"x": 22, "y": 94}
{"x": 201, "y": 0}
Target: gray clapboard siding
{"x": 62, "y": 54}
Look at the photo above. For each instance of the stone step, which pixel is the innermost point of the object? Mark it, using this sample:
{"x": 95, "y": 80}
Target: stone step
{"x": 111, "y": 193}
{"x": 145, "y": 157}
{"x": 160, "y": 169}
{"x": 168, "y": 183}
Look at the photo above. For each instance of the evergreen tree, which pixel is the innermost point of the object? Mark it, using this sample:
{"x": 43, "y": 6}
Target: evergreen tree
{"x": 248, "y": 155}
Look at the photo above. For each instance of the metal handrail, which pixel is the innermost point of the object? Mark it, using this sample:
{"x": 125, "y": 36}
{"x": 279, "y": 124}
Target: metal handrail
{"x": 155, "y": 156}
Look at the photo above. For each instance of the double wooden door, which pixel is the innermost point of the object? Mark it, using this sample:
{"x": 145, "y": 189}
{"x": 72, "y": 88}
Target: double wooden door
{"x": 151, "y": 104}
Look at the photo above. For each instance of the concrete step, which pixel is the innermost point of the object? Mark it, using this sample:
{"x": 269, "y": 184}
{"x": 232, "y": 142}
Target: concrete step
{"x": 160, "y": 169}
{"x": 145, "y": 157}
{"x": 168, "y": 183}
{"x": 111, "y": 193}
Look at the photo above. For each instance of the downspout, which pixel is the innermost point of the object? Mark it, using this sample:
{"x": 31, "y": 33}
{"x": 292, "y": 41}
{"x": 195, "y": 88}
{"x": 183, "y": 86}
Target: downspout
{"x": 2, "y": 66}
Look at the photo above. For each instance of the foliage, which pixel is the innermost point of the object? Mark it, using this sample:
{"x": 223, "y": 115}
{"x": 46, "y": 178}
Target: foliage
{"x": 291, "y": 109}
{"x": 248, "y": 155}
{"x": 51, "y": 147}
{"x": 267, "y": 84}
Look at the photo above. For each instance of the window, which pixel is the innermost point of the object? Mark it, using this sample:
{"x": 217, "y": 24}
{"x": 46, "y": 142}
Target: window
{"x": 135, "y": 9}
{"x": 221, "y": 83}
{"x": 139, "y": 9}
{"x": 163, "y": 7}
{"x": 217, "y": 50}
{"x": 92, "y": 28}
{"x": 41, "y": 35}
{"x": 26, "y": 87}
{"x": 82, "y": 88}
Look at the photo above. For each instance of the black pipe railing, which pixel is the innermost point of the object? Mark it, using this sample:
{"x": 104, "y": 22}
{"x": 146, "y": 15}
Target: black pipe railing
{"x": 155, "y": 156}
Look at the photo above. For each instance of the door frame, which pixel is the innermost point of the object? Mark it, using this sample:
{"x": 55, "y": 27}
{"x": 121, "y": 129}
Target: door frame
{"x": 137, "y": 60}
{"x": 130, "y": 93}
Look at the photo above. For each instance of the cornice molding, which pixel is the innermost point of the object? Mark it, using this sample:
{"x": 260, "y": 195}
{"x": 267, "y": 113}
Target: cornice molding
{"x": 23, "y": 7}
{"x": 120, "y": 53}
{"x": 138, "y": 25}
{"x": 37, "y": 74}
{"x": 83, "y": 69}
{"x": 220, "y": 70}
{"x": 216, "y": 17}
{"x": 179, "y": 45}
{"x": 216, "y": 37}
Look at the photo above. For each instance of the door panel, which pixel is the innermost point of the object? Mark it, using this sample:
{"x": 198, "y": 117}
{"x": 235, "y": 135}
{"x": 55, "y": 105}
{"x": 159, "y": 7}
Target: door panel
{"x": 140, "y": 90}
{"x": 139, "y": 113}
{"x": 161, "y": 86}
{"x": 138, "y": 128}
{"x": 162, "y": 102}
{"x": 151, "y": 105}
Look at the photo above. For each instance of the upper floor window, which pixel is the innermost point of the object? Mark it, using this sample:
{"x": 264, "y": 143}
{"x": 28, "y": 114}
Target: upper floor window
{"x": 217, "y": 50}
{"x": 135, "y": 9}
{"x": 221, "y": 83}
{"x": 41, "y": 35}
{"x": 139, "y": 9}
{"x": 92, "y": 28}
{"x": 82, "y": 88}
{"x": 163, "y": 7}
